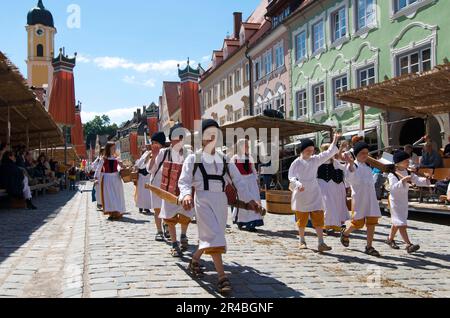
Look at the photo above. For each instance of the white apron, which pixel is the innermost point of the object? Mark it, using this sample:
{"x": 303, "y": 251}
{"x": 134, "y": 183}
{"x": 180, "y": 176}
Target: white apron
{"x": 113, "y": 198}
{"x": 304, "y": 173}
{"x": 364, "y": 197}
{"x": 245, "y": 217}
{"x": 335, "y": 201}
{"x": 398, "y": 198}
{"x": 143, "y": 195}
{"x": 211, "y": 210}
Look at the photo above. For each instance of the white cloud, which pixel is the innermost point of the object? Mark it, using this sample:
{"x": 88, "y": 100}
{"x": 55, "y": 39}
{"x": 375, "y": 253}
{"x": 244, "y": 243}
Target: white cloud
{"x": 133, "y": 81}
{"x": 81, "y": 58}
{"x": 117, "y": 116}
{"x": 110, "y": 63}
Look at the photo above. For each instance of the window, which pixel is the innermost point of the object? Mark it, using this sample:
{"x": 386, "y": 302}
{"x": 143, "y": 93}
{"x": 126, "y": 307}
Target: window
{"x": 414, "y": 62}
{"x": 401, "y": 4}
{"x": 340, "y": 84}
{"x": 258, "y": 70}
{"x": 366, "y": 13}
{"x": 279, "y": 55}
{"x": 268, "y": 62}
{"x": 247, "y": 72}
{"x": 215, "y": 93}
{"x": 319, "y": 98}
{"x": 230, "y": 115}
{"x": 280, "y": 104}
{"x": 230, "y": 84}
{"x": 222, "y": 89}
{"x": 302, "y": 104}
{"x": 366, "y": 76}
{"x": 237, "y": 115}
{"x": 40, "y": 50}
{"x": 300, "y": 46}
{"x": 339, "y": 24}
{"x": 318, "y": 36}
{"x": 237, "y": 79}
{"x": 258, "y": 110}
{"x": 277, "y": 20}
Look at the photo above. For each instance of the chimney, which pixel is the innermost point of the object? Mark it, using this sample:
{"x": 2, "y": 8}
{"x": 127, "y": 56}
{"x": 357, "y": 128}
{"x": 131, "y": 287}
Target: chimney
{"x": 139, "y": 114}
{"x": 237, "y": 24}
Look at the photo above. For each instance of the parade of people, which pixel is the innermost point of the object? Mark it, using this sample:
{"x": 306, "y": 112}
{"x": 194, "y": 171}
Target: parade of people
{"x": 225, "y": 149}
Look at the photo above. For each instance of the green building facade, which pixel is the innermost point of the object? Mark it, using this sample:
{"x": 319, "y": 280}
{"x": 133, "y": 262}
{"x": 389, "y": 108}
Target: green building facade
{"x": 344, "y": 44}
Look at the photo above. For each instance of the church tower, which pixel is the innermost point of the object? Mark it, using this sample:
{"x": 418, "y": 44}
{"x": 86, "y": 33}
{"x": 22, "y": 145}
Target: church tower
{"x": 41, "y": 42}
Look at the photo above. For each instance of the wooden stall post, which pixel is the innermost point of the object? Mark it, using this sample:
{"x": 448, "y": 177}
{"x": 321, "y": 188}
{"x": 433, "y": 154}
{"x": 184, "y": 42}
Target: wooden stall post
{"x": 362, "y": 123}
{"x": 8, "y": 136}
{"x": 27, "y": 136}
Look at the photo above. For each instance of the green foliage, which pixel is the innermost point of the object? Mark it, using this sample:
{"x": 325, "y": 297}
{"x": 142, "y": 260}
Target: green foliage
{"x": 100, "y": 125}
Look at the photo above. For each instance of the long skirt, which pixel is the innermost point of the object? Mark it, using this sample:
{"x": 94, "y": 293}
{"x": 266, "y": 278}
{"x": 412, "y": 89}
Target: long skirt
{"x": 143, "y": 195}
{"x": 113, "y": 198}
{"x": 211, "y": 210}
{"x": 249, "y": 218}
{"x": 335, "y": 202}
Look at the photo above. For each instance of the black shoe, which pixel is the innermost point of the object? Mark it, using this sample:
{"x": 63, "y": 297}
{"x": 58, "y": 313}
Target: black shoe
{"x": 166, "y": 231}
{"x": 30, "y": 205}
{"x": 411, "y": 249}
{"x": 141, "y": 210}
{"x": 392, "y": 244}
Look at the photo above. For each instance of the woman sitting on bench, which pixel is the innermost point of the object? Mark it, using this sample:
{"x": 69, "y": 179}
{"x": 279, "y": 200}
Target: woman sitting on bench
{"x": 13, "y": 180}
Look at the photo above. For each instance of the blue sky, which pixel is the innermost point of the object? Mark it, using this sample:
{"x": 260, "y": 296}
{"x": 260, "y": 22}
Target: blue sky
{"x": 126, "y": 48}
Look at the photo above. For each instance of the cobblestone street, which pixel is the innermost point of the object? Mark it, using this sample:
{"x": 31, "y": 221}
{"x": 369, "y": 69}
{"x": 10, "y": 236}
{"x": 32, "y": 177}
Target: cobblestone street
{"x": 68, "y": 249}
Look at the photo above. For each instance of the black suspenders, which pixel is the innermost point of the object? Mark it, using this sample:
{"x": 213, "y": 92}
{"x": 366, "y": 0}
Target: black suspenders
{"x": 207, "y": 177}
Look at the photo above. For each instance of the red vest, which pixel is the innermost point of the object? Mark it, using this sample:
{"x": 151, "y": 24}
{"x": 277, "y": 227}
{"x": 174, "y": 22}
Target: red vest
{"x": 110, "y": 166}
{"x": 240, "y": 166}
{"x": 170, "y": 175}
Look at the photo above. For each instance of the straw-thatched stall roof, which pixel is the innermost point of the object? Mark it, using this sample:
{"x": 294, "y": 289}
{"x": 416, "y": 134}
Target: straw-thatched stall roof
{"x": 26, "y": 112}
{"x": 420, "y": 94}
{"x": 57, "y": 154}
{"x": 287, "y": 128}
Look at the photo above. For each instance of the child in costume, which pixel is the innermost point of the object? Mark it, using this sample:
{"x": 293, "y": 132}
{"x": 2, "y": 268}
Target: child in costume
{"x": 400, "y": 182}
{"x": 111, "y": 185}
{"x": 208, "y": 172}
{"x": 331, "y": 182}
{"x": 158, "y": 144}
{"x": 170, "y": 160}
{"x": 246, "y": 166}
{"x": 366, "y": 208}
{"x": 307, "y": 199}
{"x": 143, "y": 196}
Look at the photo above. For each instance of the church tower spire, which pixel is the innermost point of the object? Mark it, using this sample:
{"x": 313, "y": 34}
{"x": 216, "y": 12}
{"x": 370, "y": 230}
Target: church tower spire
{"x": 41, "y": 42}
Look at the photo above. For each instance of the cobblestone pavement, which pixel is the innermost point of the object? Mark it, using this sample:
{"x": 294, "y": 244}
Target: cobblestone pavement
{"x": 68, "y": 249}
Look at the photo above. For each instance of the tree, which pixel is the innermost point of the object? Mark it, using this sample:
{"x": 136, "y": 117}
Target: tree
{"x": 100, "y": 125}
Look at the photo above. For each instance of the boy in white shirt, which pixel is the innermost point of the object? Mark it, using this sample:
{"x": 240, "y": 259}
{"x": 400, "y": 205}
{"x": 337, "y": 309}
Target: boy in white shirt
{"x": 307, "y": 201}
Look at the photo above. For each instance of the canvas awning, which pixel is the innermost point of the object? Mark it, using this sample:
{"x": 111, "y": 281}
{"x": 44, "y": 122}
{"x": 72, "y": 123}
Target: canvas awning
{"x": 418, "y": 94}
{"x": 30, "y": 123}
{"x": 287, "y": 128}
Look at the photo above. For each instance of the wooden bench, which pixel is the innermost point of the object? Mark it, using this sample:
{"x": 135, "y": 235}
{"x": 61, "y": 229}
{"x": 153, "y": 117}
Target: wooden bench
{"x": 11, "y": 203}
